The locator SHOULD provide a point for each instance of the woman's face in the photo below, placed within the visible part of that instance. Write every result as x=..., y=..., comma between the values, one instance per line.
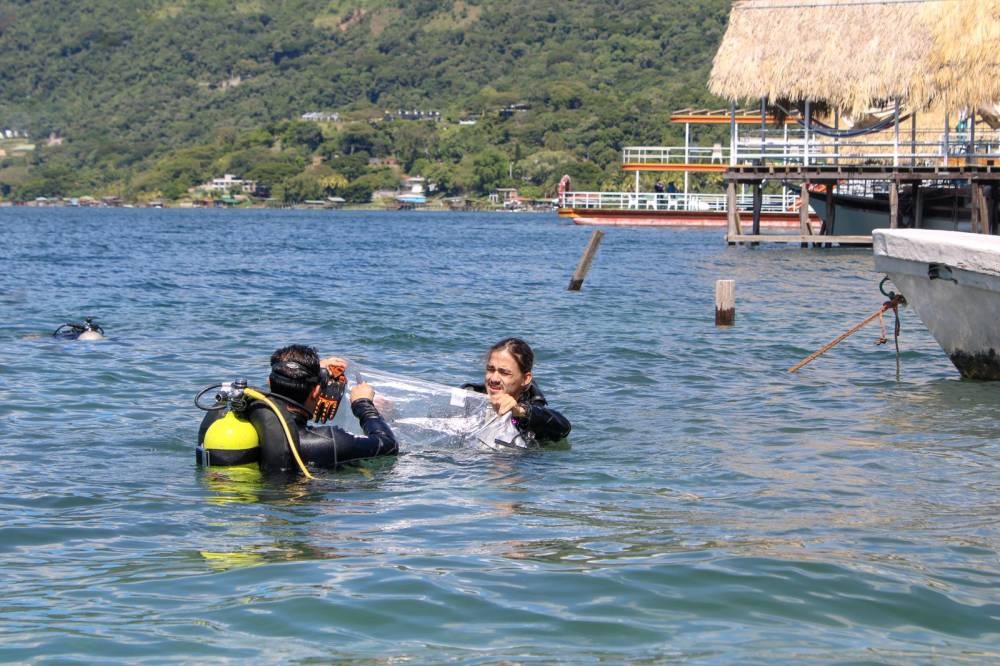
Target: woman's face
x=504, y=376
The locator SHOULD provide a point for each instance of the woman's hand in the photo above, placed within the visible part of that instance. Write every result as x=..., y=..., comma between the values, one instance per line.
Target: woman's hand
x=504, y=402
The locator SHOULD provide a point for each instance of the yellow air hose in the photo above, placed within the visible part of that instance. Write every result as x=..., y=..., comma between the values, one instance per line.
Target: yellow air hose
x=257, y=395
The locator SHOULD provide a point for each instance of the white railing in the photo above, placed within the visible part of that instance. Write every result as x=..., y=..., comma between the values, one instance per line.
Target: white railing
x=716, y=154
x=660, y=201
x=789, y=146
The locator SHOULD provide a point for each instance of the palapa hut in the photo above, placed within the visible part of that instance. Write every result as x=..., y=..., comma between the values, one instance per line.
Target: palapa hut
x=856, y=60
x=964, y=60
x=853, y=55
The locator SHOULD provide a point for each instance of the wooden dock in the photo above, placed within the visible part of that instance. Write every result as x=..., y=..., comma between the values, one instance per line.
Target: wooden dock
x=804, y=239
x=979, y=176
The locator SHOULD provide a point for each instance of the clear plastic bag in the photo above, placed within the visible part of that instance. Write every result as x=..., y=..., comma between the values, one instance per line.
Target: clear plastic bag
x=422, y=412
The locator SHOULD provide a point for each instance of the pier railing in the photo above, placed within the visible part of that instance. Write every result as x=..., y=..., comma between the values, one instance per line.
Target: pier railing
x=671, y=201
x=653, y=155
x=794, y=146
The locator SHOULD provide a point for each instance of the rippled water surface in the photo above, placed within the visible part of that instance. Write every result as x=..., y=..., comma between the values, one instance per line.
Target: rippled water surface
x=712, y=507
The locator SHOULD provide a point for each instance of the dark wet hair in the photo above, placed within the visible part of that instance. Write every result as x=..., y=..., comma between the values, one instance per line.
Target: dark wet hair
x=519, y=349
x=294, y=371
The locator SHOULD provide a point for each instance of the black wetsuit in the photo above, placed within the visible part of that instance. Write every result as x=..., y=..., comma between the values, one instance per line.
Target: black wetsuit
x=541, y=421
x=325, y=446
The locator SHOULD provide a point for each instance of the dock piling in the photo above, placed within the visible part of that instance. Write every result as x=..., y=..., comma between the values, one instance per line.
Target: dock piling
x=725, y=302
x=588, y=256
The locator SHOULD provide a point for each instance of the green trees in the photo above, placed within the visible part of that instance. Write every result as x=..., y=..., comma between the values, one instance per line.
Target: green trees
x=490, y=169
x=154, y=98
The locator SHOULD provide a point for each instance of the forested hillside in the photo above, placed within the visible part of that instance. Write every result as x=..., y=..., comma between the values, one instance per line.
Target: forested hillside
x=147, y=98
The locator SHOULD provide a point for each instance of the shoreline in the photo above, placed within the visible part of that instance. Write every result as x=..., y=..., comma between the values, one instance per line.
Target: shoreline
x=332, y=208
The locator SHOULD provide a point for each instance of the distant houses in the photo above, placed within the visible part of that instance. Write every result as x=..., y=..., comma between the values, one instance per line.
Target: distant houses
x=411, y=114
x=228, y=184
x=15, y=141
x=392, y=115
x=321, y=116
x=511, y=109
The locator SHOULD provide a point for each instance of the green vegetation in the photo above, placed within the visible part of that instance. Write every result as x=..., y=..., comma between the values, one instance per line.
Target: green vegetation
x=153, y=97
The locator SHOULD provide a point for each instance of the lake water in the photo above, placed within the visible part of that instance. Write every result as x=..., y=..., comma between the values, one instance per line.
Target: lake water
x=711, y=507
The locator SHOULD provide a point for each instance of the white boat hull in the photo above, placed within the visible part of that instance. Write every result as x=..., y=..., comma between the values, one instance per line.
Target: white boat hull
x=952, y=281
x=861, y=215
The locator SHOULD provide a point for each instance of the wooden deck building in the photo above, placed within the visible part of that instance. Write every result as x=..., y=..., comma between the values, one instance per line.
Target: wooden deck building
x=896, y=91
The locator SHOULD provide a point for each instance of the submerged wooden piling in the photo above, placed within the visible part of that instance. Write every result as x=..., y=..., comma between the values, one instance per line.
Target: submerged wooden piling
x=725, y=302
x=588, y=256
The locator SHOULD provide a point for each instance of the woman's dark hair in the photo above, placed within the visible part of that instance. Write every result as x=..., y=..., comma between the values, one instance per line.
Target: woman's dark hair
x=294, y=372
x=517, y=348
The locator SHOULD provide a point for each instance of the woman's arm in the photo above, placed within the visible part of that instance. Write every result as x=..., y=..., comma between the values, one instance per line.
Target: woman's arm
x=545, y=422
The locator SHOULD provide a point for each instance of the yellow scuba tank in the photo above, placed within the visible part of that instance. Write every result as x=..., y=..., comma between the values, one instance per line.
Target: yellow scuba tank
x=230, y=440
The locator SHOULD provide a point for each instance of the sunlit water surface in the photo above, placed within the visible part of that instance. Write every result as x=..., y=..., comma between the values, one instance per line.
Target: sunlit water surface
x=711, y=507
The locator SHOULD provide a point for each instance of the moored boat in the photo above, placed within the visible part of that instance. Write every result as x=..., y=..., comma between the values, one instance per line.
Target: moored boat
x=656, y=209
x=411, y=199
x=944, y=208
x=952, y=281
x=675, y=203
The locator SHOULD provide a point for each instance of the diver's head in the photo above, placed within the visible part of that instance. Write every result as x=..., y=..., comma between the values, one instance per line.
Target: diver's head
x=508, y=367
x=295, y=372
x=87, y=330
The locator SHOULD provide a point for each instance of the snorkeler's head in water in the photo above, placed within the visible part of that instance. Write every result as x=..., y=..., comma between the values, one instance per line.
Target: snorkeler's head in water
x=87, y=330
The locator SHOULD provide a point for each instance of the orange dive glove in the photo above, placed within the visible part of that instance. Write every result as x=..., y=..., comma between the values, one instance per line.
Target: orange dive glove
x=332, y=382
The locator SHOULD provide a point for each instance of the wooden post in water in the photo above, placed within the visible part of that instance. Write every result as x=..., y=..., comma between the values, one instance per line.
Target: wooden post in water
x=918, y=205
x=977, y=213
x=734, y=227
x=758, y=200
x=804, y=228
x=725, y=302
x=973, y=208
x=991, y=209
x=894, y=204
x=831, y=209
x=588, y=256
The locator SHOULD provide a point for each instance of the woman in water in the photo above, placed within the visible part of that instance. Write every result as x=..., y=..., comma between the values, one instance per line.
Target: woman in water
x=511, y=389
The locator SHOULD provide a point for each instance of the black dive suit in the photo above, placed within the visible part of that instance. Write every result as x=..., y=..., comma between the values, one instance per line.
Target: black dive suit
x=324, y=446
x=540, y=420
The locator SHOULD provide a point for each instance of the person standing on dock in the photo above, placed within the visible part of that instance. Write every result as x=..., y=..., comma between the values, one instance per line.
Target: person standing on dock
x=671, y=195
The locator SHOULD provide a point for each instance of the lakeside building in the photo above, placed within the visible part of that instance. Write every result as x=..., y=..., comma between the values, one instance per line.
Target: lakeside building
x=918, y=80
x=229, y=183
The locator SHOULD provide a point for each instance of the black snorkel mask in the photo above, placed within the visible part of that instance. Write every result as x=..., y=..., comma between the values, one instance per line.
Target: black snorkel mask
x=332, y=384
x=73, y=330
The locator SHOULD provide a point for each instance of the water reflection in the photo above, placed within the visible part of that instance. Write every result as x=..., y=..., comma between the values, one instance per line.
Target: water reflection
x=294, y=520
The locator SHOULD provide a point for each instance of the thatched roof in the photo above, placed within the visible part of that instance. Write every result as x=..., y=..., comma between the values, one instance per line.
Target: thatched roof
x=965, y=59
x=855, y=54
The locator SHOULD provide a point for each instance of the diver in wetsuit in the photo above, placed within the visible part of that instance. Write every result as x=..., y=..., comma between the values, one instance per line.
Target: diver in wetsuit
x=304, y=387
x=511, y=388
